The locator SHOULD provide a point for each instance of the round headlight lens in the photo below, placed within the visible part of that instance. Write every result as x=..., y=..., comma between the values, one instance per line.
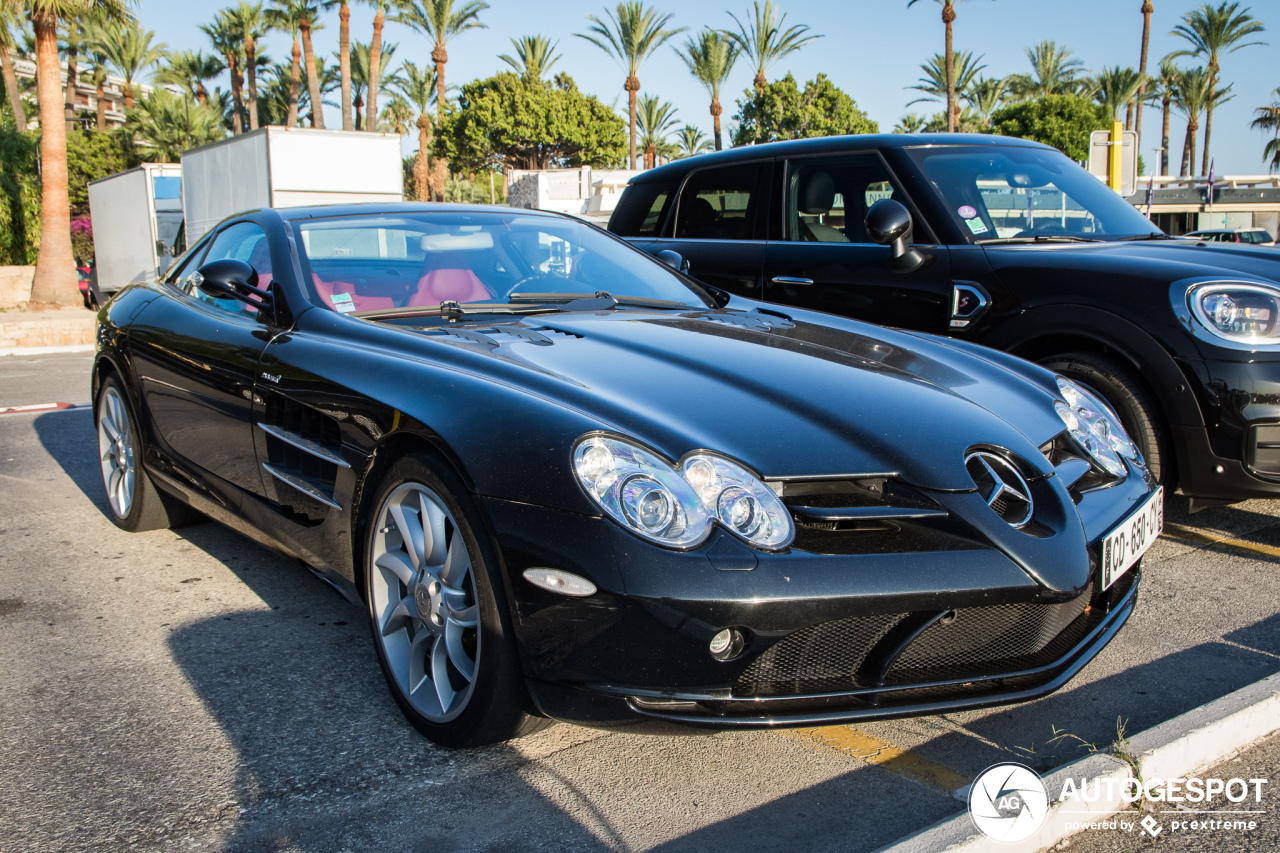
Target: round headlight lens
x=676, y=506
x=1238, y=312
x=1095, y=427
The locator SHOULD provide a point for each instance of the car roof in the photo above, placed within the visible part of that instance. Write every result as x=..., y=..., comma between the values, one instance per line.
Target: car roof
x=319, y=211
x=829, y=144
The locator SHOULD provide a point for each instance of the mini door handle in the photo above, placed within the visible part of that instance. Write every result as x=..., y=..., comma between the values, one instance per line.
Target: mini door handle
x=786, y=279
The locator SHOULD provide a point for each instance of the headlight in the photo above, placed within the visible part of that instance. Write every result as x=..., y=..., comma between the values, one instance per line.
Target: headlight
x=1095, y=428
x=676, y=506
x=1234, y=311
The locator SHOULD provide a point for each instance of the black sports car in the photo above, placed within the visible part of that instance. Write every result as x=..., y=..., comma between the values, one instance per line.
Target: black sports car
x=568, y=482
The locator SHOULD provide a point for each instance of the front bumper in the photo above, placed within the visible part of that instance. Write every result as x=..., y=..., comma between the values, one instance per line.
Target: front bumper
x=942, y=618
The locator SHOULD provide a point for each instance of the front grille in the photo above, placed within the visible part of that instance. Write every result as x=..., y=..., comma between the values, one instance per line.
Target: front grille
x=823, y=658
x=846, y=654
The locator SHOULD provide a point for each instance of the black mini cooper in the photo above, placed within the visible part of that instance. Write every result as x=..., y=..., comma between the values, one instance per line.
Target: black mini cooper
x=1009, y=244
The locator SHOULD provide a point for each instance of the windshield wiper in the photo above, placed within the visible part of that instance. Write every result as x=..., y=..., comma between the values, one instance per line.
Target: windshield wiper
x=1039, y=238
x=600, y=296
x=452, y=310
x=1155, y=235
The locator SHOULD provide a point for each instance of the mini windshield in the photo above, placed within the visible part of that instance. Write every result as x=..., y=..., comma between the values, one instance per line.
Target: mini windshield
x=1012, y=192
x=379, y=261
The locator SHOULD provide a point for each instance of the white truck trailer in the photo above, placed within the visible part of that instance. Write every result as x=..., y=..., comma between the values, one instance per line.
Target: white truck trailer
x=136, y=216
x=287, y=167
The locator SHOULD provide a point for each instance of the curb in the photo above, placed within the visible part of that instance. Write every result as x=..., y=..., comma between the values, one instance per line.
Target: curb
x=1181, y=747
x=47, y=350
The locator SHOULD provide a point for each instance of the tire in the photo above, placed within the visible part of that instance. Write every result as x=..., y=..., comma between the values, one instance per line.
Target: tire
x=133, y=501
x=438, y=612
x=1130, y=399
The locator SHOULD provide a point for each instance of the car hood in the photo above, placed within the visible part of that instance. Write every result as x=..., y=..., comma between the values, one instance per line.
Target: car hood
x=796, y=395
x=1168, y=260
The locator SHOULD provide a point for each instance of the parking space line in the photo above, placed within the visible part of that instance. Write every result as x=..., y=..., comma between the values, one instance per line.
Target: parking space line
x=872, y=750
x=1195, y=537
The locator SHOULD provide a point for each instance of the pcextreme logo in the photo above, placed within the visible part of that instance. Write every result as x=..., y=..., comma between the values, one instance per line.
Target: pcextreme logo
x=1008, y=802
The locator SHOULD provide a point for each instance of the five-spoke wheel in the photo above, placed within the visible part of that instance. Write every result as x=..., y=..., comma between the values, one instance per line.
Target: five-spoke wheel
x=116, y=451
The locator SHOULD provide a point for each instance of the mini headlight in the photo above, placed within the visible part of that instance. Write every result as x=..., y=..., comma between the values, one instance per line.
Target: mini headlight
x=1238, y=312
x=1095, y=427
x=676, y=506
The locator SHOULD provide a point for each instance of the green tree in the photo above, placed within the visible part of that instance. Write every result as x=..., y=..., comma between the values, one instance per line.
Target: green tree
x=630, y=35
x=656, y=118
x=1053, y=72
x=1136, y=107
x=949, y=64
x=190, y=69
x=710, y=58
x=287, y=16
x=247, y=21
x=1193, y=97
x=360, y=62
x=986, y=95
x=1213, y=32
x=20, y=199
x=417, y=87
x=509, y=122
x=910, y=123
x=1116, y=88
x=10, y=22
x=131, y=51
x=783, y=111
x=344, y=56
x=1268, y=119
x=534, y=56
x=691, y=141
x=936, y=84
x=307, y=24
x=1164, y=87
x=165, y=125
x=224, y=34
x=763, y=40
x=1063, y=121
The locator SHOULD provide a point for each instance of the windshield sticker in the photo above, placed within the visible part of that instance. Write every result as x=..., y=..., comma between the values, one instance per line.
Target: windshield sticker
x=976, y=226
x=967, y=211
x=343, y=302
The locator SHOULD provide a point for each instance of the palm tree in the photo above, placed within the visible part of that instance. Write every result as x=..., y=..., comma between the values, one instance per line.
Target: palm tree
x=939, y=86
x=130, y=50
x=1212, y=33
x=1117, y=87
x=910, y=123
x=307, y=24
x=764, y=40
x=418, y=89
x=533, y=56
x=948, y=18
x=710, y=58
x=250, y=26
x=986, y=95
x=344, y=55
x=287, y=16
x=376, y=62
x=360, y=64
x=1165, y=87
x=191, y=69
x=55, y=281
x=630, y=35
x=165, y=125
x=10, y=22
x=441, y=22
x=692, y=141
x=1053, y=72
x=224, y=35
x=1191, y=98
x=93, y=49
x=1136, y=110
x=657, y=118
x=73, y=35
x=1268, y=118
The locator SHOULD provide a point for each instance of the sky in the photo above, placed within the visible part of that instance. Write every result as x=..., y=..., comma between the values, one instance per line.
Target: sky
x=871, y=49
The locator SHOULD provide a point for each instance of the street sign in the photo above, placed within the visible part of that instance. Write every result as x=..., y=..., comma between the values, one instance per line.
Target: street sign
x=1100, y=153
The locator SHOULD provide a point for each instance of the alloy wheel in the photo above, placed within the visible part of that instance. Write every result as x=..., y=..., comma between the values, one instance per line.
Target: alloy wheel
x=116, y=452
x=423, y=596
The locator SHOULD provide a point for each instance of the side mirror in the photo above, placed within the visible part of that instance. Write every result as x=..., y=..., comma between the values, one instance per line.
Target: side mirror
x=673, y=260
x=888, y=223
x=233, y=279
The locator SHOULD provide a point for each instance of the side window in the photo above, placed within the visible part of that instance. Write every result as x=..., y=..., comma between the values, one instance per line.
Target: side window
x=179, y=276
x=827, y=197
x=720, y=204
x=246, y=242
x=642, y=209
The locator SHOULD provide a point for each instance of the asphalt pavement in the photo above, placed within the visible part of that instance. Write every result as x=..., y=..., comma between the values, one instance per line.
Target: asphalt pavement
x=190, y=690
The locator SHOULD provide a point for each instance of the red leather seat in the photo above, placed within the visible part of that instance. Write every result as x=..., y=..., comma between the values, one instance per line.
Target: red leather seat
x=327, y=290
x=448, y=280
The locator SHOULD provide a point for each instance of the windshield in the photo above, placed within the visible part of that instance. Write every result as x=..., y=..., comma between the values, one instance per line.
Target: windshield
x=375, y=262
x=997, y=192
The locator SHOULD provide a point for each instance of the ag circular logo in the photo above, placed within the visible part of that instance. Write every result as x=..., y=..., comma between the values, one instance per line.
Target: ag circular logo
x=1008, y=802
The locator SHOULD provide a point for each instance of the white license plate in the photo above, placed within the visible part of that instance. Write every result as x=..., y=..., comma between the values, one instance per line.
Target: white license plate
x=1126, y=543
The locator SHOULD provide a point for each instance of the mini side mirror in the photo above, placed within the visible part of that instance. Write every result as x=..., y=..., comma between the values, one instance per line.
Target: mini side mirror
x=673, y=260
x=888, y=223
x=233, y=279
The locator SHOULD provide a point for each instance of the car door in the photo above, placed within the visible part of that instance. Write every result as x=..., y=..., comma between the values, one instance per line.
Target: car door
x=719, y=226
x=823, y=258
x=197, y=360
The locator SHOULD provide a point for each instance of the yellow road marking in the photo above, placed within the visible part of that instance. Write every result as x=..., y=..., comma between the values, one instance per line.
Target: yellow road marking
x=1195, y=537
x=872, y=750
